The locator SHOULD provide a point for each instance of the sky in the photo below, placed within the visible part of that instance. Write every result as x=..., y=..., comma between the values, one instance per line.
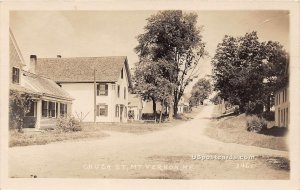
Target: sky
x=113, y=33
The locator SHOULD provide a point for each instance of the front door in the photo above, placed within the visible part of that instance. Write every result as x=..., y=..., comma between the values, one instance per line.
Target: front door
x=121, y=113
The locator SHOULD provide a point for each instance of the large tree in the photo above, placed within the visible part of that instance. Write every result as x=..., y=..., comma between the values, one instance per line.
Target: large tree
x=174, y=37
x=247, y=71
x=200, y=91
x=150, y=83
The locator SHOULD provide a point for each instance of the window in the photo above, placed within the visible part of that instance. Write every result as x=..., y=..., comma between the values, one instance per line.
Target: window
x=102, y=110
x=122, y=73
x=124, y=93
x=125, y=113
x=16, y=75
x=117, y=111
x=44, y=108
x=102, y=89
x=63, y=109
x=287, y=116
x=31, y=112
x=283, y=116
x=51, y=109
x=279, y=98
x=118, y=91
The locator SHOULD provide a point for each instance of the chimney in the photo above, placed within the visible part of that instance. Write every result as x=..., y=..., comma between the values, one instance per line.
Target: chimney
x=32, y=64
x=58, y=56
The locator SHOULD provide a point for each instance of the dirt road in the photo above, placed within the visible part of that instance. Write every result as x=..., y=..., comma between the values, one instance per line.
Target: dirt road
x=175, y=153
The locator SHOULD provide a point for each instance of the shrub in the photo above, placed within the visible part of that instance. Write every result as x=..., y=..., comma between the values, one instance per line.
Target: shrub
x=19, y=106
x=68, y=124
x=256, y=124
x=269, y=115
x=150, y=116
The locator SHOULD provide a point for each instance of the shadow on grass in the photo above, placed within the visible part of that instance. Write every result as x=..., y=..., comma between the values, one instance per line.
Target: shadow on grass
x=224, y=115
x=275, y=131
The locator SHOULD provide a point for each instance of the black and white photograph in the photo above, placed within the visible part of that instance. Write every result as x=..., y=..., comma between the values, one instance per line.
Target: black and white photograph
x=157, y=94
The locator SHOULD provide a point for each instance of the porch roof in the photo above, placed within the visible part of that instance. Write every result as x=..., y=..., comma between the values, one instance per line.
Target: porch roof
x=20, y=88
x=45, y=86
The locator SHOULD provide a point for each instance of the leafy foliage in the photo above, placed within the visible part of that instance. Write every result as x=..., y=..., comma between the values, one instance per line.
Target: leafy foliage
x=173, y=43
x=249, y=72
x=19, y=105
x=68, y=124
x=256, y=124
x=200, y=91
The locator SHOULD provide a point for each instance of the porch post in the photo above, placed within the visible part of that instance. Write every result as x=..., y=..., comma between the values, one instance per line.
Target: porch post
x=58, y=110
x=38, y=114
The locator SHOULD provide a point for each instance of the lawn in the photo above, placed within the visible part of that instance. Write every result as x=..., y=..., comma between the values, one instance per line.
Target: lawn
x=232, y=129
x=45, y=137
x=91, y=131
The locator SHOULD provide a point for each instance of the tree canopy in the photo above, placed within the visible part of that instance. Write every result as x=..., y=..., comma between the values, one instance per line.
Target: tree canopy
x=174, y=39
x=200, y=91
x=247, y=71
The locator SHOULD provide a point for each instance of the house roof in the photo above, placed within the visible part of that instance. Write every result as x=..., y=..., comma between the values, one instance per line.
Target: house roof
x=15, y=55
x=81, y=69
x=134, y=100
x=44, y=86
x=20, y=88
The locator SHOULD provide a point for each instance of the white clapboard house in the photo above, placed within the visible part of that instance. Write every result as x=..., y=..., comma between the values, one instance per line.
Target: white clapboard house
x=99, y=85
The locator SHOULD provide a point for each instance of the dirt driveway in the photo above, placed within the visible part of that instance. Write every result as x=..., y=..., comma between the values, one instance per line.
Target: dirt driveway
x=175, y=153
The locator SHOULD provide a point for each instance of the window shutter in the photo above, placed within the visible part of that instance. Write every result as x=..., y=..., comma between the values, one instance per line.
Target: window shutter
x=106, y=89
x=98, y=110
x=98, y=89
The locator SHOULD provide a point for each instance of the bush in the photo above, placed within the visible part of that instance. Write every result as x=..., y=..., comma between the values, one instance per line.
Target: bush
x=269, y=115
x=150, y=116
x=68, y=124
x=256, y=124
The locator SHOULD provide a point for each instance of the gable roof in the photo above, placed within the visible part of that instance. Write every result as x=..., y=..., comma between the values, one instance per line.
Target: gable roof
x=44, y=86
x=15, y=55
x=81, y=69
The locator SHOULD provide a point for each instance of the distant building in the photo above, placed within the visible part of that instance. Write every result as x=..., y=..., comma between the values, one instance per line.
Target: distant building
x=282, y=104
x=183, y=105
x=135, y=107
x=148, y=106
x=49, y=101
x=77, y=75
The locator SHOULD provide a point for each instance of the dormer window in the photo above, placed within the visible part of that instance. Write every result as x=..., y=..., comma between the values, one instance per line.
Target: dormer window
x=16, y=75
x=122, y=73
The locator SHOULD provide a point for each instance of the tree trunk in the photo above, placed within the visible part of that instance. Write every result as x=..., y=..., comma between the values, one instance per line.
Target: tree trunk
x=171, y=111
x=154, y=108
x=162, y=109
x=175, y=107
x=268, y=103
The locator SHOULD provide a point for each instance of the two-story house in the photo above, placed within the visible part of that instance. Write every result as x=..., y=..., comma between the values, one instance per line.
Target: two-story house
x=282, y=104
x=99, y=85
x=49, y=101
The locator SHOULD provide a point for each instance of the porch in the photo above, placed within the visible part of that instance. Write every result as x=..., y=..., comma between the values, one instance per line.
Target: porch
x=43, y=113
